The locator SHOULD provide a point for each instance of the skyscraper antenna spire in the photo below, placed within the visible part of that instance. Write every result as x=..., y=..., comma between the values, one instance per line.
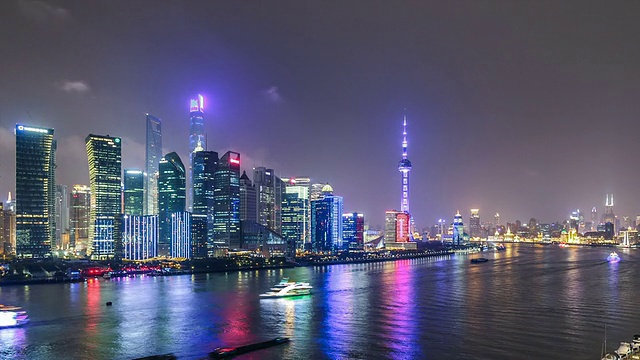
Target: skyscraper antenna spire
x=404, y=167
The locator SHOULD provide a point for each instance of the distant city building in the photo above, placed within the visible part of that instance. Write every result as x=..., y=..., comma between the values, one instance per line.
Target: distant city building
x=197, y=141
x=104, y=154
x=134, y=181
x=326, y=222
x=62, y=217
x=248, y=199
x=294, y=220
x=140, y=237
x=227, y=204
x=301, y=186
x=269, y=189
x=153, y=155
x=475, y=229
x=534, y=228
x=496, y=219
x=171, y=198
x=199, y=229
x=594, y=219
x=609, y=216
x=353, y=230
x=315, y=191
x=205, y=164
x=35, y=191
x=397, y=234
x=181, y=235
x=80, y=218
x=458, y=229
x=404, y=167
x=7, y=230
x=260, y=238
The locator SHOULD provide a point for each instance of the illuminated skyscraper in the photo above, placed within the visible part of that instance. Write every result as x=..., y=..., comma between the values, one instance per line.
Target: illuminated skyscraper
x=294, y=220
x=80, y=218
x=458, y=229
x=62, y=217
x=171, y=197
x=181, y=235
x=205, y=164
x=134, y=181
x=139, y=237
x=199, y=229
x=397, y=234
x=227, y=204
x=35, y=191
x=353, y=230
x=475, y=229
x=269, y=189
x=594, y=219
x=152, y=157
x=496, y=219
x=248, y=199
x=104, y=154
x=609, y=216
x=197, y=141
x=326, y=221
x=404, y=167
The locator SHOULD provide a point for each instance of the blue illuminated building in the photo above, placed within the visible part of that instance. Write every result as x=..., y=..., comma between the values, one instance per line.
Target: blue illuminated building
x=226, y=204
x=171, y=197
x=181, y=235
x=139, y=237
x=326, y=222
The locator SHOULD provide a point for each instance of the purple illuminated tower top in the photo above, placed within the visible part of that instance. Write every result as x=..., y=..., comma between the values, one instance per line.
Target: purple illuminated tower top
x=404, y=167
x=197, y=140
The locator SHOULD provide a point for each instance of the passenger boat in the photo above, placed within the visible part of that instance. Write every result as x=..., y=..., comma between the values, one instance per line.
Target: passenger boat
x=11, y=316
x=501, y=247
x=479, y=260
x=289, y=290
x=625, y=350
x=613, y=257
x=221, y=353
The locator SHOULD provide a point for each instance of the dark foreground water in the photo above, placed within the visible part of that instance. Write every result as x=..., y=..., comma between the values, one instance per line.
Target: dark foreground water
x=529, y=302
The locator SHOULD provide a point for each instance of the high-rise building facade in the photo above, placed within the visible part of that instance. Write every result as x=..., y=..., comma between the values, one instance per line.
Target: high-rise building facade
x=404, y=167
x=153, y=154
x=458, y=229
x=269, y=189
x=475, y=229
x=301, y=186
x=199, y=229
x=205, y=164
x=181, y=235
x=197, y=141
x=35, y=191
x=104, y=154
x=134, y=181
x=139, y=237
x=397, y=227
x=294, y=220
x=248, y=199
x=353, y=230
x=326, y=222
x=79, y=218
x=171, y=197
x=227, y=204
x=62, y=217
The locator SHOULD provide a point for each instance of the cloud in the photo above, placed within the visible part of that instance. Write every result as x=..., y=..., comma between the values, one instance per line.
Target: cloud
x=272, y=94
x=74, y=86
x=42, y=12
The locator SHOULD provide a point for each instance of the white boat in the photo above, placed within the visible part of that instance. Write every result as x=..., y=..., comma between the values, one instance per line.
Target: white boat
x=613, y=257
x=290, y=290
x=11, y=316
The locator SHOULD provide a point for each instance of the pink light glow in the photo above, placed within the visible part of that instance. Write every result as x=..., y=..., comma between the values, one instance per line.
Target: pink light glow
x=235, y=161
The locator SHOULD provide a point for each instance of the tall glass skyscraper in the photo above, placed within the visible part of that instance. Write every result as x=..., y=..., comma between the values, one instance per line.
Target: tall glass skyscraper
x=294, y=220
x=227, y=204
x=197, y=141
x=205, y=164
x=181, y=235
x=134, y=181
x=301, y=186
x=35, y=191
x=326, y=222
x=152, y=156
x=248, y=199
x=104, y=154
x=171, y=197
x=269, y=189
x=62, y=217
x=80, y=218
x=199, y=237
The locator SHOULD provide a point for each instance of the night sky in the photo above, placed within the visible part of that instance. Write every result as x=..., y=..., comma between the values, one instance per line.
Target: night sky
x=527, y=108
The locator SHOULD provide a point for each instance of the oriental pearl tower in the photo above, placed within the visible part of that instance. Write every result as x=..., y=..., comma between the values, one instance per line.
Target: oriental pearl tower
x=404, y=167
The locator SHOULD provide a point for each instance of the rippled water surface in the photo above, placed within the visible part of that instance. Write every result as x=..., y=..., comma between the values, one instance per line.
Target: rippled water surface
x=529, y=302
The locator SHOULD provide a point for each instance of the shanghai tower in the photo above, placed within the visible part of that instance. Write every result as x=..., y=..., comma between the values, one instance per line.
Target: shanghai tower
x=404, y=167
x=196, y=140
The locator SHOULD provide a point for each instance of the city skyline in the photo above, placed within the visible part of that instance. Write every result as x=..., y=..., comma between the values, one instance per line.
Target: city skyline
x=480, y=139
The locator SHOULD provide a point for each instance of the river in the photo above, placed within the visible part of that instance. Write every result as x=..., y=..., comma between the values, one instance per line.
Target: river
x=528, y=302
